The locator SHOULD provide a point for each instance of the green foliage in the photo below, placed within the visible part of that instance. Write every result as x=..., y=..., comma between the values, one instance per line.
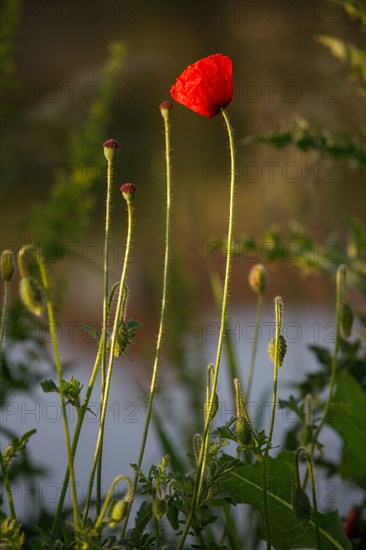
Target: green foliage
x=71, y=390
x=15, y=446
x=348, y=418
x=305, y=138
x=11, y=536
x=245, y=485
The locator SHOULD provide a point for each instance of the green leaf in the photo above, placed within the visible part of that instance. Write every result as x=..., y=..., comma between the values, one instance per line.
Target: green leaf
x=92, y=331
x=348, y=418
x=287, y=533
x=16, y=445
x=48, y=386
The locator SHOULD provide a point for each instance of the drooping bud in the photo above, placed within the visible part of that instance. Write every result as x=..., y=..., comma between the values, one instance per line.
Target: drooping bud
x=301, y=505
x=7, y=265
x=111, y=147
x=165, y=109
x=159, y=508
x=347, y=317
x=118, y=513
x=258, y=278
x=31, y=294
x=128, y=191
x=282, y=348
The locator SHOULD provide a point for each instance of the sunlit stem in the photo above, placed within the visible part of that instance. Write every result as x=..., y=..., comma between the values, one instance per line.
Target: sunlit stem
x=154, y=378
x=204, y=447
x=105, y=319
x=121, y=293
x=255, y=345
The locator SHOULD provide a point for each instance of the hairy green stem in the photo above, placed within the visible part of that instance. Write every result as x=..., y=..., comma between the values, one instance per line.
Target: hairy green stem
x=265, y=501
x=315, y=505
x=340, y=298
x=204, y=447
x=105, y=320
x=53, y=334
x=154, y=377
x=99, y=520
x=110, y=362
x=255, y=345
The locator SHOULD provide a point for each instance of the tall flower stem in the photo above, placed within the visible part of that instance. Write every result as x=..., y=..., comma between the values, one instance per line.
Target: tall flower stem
x=277, y=362
x=255, y=345
x=198, y=484
x=105, y=319
x=340, y=299
x=111, y=358
x=154, y=377
x=53, y=334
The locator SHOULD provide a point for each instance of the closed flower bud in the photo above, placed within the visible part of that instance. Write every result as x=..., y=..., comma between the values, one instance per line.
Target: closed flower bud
x=7, y=265
x=128, y=191
x=159, y=508
x=243, y=431
x=215, y=407
x=282, y=348
x=31, y=295
x=118, y=513
x=347, y=317
x=301, y=505
x=165, y=109
x=111, y=147
x=258, y=278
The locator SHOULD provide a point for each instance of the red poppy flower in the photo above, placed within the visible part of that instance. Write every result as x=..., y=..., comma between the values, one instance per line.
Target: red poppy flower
x=206, y=86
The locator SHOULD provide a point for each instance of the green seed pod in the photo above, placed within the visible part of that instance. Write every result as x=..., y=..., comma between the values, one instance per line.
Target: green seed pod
x=118, y=513
x=31, y=295
x=347, y=317
x=301, y=505
x=159, y=508
x=110, y=148
x=7, y=265
x=215, y=407
x=282, y=349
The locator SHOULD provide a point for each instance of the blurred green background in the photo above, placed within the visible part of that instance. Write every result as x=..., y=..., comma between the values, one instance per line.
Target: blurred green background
x=76, y=73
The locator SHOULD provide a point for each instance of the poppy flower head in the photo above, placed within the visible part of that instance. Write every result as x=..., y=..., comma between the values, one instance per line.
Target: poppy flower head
x=206, y=86
x=128, y=191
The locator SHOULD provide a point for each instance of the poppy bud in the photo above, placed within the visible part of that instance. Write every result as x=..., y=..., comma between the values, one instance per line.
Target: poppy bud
x=215, y=407
x=165, y=109
x=301, y=505
x=282, y=345
x=7, y=265
x=31, y=294
x=128, y=191
x=111, y=147
x=118, y=513
x=258, y=278
x=347, y=316
x=244, y=432
x=159, y=508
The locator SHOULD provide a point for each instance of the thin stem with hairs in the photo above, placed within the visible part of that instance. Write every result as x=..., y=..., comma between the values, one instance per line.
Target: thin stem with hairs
x=198, y=484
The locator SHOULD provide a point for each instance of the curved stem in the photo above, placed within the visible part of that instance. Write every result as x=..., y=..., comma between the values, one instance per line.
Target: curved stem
x=255, y=345
x=154, y=377
x=53, y=334
x=105, y=319
x=108, y=497
x=110, y=362
x=204, y=448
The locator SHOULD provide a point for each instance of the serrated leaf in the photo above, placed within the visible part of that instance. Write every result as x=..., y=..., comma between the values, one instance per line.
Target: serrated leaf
x=92, y=331
x=246, y=486
x=48, y=386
